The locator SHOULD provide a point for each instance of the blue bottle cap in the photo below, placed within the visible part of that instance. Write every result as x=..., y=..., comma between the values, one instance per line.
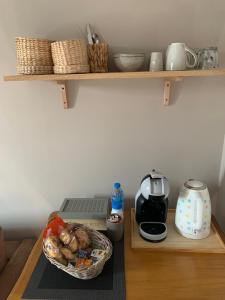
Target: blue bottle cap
x=116, y=185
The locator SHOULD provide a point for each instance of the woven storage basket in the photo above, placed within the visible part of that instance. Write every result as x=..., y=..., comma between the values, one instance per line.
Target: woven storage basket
x=70, y=56
x=33, y=56
x=98, y=57
x=71, y=69
x=34, y=69
x=98, y=241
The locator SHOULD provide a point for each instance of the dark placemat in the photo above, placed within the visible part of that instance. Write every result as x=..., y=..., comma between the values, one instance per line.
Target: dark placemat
x=48, y=282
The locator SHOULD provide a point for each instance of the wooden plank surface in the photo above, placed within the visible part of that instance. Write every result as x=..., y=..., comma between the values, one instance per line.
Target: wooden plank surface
x=173, y=276
x=3, y=256
x=118, y=75
x=176, y=242
x=21, y=284
x=157, y=275
x=14, y=267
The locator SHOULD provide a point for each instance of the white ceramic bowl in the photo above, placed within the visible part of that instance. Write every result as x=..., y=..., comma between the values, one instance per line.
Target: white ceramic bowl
x=129, y=62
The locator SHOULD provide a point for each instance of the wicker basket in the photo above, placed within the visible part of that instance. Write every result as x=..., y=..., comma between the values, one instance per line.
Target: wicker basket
x=33, y=56
x=70, y=56
x=99, y=241
x=98, y=57
x=71, y=69
x=34, y=69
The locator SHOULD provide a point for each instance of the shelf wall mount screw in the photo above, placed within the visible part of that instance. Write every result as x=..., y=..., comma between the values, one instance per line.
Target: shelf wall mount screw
x=167, y=92
x=167, y=89
x=63, y=88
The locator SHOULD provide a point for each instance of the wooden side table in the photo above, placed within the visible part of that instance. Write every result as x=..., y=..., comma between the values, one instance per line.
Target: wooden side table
x=156, y=275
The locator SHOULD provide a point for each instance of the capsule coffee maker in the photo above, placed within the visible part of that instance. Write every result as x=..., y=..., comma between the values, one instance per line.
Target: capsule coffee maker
x=151, y=206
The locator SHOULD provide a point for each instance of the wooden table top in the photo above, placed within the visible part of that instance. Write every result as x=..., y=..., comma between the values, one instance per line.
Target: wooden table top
x=156, y=275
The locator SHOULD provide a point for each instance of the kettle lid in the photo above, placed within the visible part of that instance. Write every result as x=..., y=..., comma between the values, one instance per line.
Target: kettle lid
x=195, y=185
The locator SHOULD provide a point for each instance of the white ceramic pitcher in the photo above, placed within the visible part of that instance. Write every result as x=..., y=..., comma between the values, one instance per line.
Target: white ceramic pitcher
x=177, y=58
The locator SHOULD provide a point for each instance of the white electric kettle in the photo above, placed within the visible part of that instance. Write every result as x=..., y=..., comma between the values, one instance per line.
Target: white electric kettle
x=193, y=211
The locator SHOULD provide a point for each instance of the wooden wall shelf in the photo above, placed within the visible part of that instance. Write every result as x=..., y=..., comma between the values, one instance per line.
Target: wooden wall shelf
x=169, y=76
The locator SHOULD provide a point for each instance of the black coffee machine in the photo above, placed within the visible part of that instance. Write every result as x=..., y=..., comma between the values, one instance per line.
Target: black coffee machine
x=151, y=206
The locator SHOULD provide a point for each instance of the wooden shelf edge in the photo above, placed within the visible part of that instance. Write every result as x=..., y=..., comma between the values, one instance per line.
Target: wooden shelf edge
x=118, y=75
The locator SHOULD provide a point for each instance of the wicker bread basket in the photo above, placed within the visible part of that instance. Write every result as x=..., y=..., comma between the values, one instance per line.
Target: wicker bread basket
x=98, y=57
x=33, y=56
x=70, y=56
x=98, y=241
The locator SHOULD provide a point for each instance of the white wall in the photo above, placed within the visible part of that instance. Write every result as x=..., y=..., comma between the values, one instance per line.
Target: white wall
x=116, y=130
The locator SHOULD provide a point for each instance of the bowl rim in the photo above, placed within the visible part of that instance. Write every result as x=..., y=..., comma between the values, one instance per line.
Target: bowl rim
x=128, y=55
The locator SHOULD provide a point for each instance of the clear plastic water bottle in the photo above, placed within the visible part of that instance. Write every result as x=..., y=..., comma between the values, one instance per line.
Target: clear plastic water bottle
x=117, y=199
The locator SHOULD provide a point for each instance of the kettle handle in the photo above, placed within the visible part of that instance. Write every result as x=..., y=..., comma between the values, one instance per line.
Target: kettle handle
x=198, y=214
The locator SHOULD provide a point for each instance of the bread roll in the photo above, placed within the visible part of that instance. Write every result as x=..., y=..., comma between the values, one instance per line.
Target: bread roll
x=73, y=245
x=67, y=253
x=62, y=260
x=53, y=249
x=52, y=245
x=65, y=237
x=83, y=238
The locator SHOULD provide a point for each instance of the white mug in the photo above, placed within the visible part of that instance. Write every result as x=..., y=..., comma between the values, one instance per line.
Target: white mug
x=156, y=62
x=177, y=59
